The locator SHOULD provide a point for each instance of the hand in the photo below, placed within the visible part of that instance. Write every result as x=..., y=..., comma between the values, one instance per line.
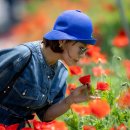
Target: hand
x=81, y=94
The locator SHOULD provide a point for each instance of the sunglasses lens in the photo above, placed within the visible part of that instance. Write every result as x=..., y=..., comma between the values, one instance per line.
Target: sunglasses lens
x=82, y=50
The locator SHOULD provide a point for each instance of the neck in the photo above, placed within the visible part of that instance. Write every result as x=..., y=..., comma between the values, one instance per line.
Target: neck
x=50, y=56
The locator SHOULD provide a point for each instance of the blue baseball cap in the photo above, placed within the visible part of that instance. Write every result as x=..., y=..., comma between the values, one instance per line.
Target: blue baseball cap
x=72, y=25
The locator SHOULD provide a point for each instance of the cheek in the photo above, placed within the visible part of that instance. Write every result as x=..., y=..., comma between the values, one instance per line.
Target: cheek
x=74, y=53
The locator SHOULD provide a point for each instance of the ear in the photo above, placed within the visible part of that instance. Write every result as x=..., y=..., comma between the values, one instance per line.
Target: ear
x=61, y=43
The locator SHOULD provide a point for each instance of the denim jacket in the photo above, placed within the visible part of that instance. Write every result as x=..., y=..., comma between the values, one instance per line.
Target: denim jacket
x=39, y=85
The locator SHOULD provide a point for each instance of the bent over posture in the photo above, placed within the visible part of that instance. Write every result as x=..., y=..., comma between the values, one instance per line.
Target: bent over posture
x=33, y=76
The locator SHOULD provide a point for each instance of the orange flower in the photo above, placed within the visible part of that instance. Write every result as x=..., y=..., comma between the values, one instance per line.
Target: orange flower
x=60, y=125
x=84, y=60
x=109, y=7
x=124, y=99
x=102, y=86
x=70, y=88
x=121, y=40
x=81, y=110
x=122, y=127
x=94, y=54
x=53, y=125
x=112, y=128
x=126, y=63
x=86, y=127
x=100, y=108
x=75, y=70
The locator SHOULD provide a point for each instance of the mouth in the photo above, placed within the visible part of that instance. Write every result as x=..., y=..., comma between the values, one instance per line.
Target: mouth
x=72, y=60
x=75, y=60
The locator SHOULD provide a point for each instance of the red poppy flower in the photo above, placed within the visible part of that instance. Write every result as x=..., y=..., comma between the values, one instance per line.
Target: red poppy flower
x=94, y=55
x=37, y=125
x=99, y=71
x=53, y=125
x=81, y=110
x=2, y=127
x=84, y=60
x=60, y=125
x=75, y=70
x=121, y=40
x=47, y=125
x=109, y=7
x=100, y=108
x=126, y=64
x=85, y=79
x=102, y=86
x=124, y=99
x=26, y=128
x=122, y=127
x=89, y=127
x=90, y=51
x=112, y=128
x=12, y=127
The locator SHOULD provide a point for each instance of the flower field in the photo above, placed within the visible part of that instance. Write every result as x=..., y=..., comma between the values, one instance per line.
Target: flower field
x=106, y=66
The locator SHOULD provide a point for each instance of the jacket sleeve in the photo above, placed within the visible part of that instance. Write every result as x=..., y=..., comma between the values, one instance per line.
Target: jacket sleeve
x=11, y=61
x=40, y=112
x=61, y=95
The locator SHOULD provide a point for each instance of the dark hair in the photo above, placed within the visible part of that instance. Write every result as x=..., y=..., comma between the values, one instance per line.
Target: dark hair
x=53, y=44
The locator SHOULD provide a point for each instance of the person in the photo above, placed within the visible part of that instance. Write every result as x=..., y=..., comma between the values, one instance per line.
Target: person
x=41, y=87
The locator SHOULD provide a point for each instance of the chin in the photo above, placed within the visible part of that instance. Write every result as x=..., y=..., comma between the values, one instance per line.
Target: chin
x=71, y=63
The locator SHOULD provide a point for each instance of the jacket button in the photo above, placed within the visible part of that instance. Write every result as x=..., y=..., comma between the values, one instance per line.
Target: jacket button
x=48, y=77
x=4, y=91
x=23, y=93
x=49, y=101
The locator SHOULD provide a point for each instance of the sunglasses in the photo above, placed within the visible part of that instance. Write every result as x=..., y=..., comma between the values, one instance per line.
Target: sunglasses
x=82, y=50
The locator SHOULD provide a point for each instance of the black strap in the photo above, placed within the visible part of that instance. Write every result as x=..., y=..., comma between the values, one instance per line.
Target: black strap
x=9, y=86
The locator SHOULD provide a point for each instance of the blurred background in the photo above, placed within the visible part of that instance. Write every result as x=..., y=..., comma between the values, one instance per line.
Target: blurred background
x=28, y=20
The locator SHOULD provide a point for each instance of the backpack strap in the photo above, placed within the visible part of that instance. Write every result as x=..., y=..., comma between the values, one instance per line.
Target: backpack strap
x=9, y=86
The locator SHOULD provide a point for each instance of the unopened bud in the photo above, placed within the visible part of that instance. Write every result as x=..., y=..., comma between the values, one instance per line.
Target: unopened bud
x=125, y=84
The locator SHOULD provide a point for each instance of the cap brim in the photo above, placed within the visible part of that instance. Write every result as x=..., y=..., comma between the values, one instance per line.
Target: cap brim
x=58, y=35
